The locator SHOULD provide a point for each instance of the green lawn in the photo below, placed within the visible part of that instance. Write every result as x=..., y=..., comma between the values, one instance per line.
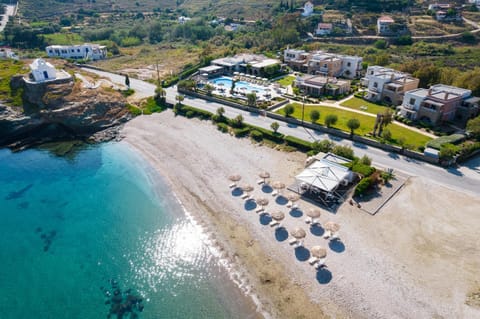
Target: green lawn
x=360, y=104
x=366, y=123
x=286, y=80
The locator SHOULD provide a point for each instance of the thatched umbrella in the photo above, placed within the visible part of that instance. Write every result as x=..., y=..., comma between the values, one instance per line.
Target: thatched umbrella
x=277, y=215
x=247, y=188
x=331, y=226
x=299, y=233
x=234, y=178
x=292, y=197
x=278, y=186
x=264, y=175
x=319, y=252
x=262, y=201
x=313, y=213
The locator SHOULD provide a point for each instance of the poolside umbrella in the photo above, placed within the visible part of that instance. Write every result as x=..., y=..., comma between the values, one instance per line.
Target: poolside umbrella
x=277, y=215
x=264, y=175
x=332, y=227
x=298, y=233
x=292, y=197
x=313, y=213
x=262, y=201
x=319, y=252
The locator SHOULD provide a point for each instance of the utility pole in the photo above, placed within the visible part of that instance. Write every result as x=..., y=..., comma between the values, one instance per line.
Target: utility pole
x=158, y=73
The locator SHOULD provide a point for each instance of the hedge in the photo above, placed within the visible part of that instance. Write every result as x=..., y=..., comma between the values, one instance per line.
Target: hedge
x=270, y=135
x=450, y=139
x=362, y=169
x=241, y=132
x=222, y=127
x=298, y=143
x=204, y=115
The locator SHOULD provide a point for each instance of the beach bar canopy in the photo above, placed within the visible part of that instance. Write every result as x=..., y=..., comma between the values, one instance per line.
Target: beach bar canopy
x=324, y=175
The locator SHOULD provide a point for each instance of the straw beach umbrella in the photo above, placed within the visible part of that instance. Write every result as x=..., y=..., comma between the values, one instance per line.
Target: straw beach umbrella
x=299, y=233
x=234, y=178
x=292, y=197
x=262, y=201
x=278, y=186
x=318, y=252
x=313, y=213
x=277, y=216
x=264, y=175
x=331, y=228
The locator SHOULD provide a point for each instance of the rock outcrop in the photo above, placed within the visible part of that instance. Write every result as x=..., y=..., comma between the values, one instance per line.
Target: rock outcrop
x=61, y=111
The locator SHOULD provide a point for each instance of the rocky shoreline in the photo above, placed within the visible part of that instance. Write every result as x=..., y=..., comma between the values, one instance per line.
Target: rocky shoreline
x=55, y=112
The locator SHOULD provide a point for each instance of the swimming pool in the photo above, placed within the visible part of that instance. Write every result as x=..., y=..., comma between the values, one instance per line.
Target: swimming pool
x=249, y=87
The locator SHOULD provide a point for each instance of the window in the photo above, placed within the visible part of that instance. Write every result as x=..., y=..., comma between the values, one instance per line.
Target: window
x=349, y=64
x=375, y=85
x=412, y=101
x=325, y=65
x=78, y=50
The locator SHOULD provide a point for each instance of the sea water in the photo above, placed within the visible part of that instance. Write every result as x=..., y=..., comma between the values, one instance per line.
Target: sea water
x=77, y=231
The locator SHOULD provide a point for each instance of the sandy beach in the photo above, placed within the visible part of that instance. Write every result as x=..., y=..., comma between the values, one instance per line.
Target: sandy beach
x=419, y=257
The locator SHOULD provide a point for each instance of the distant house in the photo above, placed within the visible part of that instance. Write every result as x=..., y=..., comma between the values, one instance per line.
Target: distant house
x=42, y=71
x=183, y=20
x=439, y=103
x=383, y=25
x=307, y=9
x=7, y=53
x=85, y=51
x=253, y=64
x=324, y=29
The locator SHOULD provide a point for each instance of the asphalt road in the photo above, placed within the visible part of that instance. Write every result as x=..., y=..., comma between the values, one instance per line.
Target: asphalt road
x=465, y=178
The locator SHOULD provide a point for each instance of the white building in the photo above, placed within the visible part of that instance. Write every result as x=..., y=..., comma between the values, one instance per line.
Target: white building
x=85, y=51
x=351, y=66
x=7, y=53
x=307, y=9
x=183, y=20
x=42, y=71
x=383, y=24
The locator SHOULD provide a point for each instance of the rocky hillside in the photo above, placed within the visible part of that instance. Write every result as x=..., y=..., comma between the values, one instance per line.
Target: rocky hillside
x=56, y=112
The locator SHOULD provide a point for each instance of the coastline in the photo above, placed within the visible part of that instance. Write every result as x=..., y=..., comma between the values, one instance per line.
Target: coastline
x=377, y=276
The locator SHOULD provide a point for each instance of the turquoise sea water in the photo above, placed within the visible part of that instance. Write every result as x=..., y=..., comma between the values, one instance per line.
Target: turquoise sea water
x=75, y=230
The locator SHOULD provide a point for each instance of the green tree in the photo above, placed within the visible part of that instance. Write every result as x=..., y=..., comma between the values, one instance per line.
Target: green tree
x=237, y=122
x=353, y=124
x=330, y=120
x=365, y=160
x=252, y=99
x=380, y=44
x=275, y=126
x=288, y=110
x=473, y=127
x=220, y=112
x=447, y=151
x=209, y=88
x=160, y=95
x=343, y=151
x=314, y=115
x=324, y=146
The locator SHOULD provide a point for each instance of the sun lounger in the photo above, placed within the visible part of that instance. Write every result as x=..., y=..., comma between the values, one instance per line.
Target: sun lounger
x=327, y=234
x=294, y=206
x=293, y=241
x=274, y=193
x=289, y=205
x=312, y=260
x=245, y=196
x=274, y=223
x=334, y=237
x=260, y=182
x=320, y=264
x=308, y=220
x=232, y=185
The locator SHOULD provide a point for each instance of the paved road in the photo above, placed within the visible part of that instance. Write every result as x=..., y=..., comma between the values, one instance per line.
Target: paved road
x=10, y=10
x=466, y=178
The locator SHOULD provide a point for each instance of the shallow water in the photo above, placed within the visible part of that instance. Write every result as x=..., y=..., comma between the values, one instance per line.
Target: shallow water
x=72, y=227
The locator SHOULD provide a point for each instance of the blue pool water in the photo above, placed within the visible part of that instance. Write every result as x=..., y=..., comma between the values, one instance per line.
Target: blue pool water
x=75, y=230
x=227, y=83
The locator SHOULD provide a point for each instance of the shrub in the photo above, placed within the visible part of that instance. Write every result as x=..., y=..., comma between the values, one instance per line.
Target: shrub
x=362, y=169
x=324, y=146
x=237, y=122
x=134, y=110
x=363, y=186
x=450, y=139
x=448, y=151
x=267, y=134
x=190, y=114
x=222, y=127
x=365, y=160
x=288, y=110
x=241, y=132
x=314, y=115
x=343, y=151
x=386, y=134
x=256, y=135
x=298, y=143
